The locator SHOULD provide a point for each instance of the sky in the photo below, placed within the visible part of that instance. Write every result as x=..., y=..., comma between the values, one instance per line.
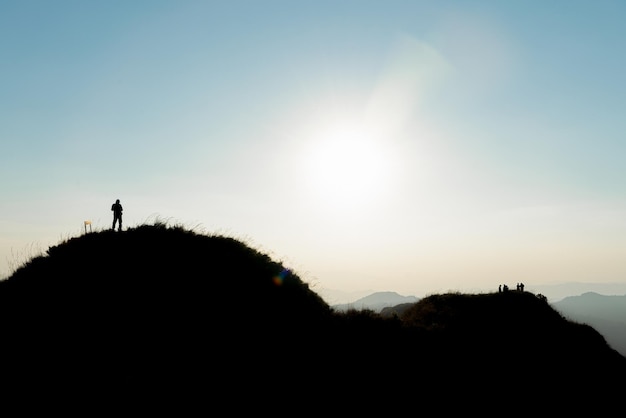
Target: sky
x=408, y=146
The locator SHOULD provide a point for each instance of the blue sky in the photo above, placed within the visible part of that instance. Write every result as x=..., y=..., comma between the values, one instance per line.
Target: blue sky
x=394, y=145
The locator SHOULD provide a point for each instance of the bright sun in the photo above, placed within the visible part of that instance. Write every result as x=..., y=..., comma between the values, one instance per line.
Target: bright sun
x=346, y=168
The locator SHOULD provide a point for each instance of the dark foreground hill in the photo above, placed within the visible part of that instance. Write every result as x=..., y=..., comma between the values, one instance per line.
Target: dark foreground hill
x=161, y=318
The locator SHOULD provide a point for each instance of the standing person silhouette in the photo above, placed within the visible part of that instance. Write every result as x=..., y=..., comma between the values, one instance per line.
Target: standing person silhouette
x=117, y=214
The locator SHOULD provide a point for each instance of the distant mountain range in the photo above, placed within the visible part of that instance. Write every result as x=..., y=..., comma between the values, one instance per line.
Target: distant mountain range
x=607, y=314
x=557, y=292
x=376, y=301
x=553, y=292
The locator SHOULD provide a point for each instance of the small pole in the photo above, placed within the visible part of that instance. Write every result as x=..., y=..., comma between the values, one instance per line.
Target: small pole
x=88, y=223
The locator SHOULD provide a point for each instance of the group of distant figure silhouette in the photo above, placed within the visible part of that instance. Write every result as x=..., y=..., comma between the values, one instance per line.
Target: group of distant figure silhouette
x=504, y=288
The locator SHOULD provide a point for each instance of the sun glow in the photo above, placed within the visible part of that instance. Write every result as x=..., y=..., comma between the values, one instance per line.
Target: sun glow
x=347, y=167
x=351, y=159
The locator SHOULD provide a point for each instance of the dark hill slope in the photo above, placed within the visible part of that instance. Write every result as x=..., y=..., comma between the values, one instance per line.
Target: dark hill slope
x=151, y=309
x=159, y=316
x=514, y=329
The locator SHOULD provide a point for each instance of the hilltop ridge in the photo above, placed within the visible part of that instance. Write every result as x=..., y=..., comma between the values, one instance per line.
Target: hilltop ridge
x=157, y=313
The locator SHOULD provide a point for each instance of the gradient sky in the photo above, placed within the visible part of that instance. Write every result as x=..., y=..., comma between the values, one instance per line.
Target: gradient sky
x=408, y=146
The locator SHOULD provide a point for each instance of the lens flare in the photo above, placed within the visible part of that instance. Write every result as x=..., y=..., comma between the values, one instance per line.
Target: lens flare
x=280, y=277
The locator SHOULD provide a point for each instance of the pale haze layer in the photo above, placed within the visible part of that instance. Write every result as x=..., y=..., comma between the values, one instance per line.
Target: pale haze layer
x=406, y=146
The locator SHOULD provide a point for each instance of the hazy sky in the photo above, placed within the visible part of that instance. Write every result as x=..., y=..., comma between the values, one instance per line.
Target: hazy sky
x=410, y=146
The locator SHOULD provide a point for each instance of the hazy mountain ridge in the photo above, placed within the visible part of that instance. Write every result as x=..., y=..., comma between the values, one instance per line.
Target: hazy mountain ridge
x=605, y=313
x=148, y=317
x=553, y=292
x=558, y=292
x=377, y=301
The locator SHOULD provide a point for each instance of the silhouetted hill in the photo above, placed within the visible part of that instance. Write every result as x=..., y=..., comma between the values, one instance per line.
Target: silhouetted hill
x=151, y=312
x=512, y=327
x=160, y=318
